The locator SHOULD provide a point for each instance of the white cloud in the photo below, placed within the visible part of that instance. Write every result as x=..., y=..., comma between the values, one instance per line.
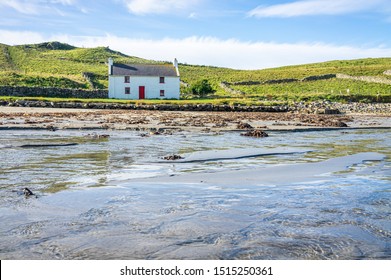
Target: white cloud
x=20, y=37
x=143, y=7
x=316, y=7
x=63, y=2
x=24, y=7
x=35, y=7
x=193, y=16
x=210, y=51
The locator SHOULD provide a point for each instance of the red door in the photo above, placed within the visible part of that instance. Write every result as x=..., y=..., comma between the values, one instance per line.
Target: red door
x=141, y=92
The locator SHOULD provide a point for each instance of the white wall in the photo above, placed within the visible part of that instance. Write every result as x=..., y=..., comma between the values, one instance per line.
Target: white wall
x=152, y=87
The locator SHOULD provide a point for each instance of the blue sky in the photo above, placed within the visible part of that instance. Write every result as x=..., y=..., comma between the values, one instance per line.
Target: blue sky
x=242, y=34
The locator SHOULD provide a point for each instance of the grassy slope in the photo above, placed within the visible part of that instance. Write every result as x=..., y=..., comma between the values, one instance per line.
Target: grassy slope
x=41, y=65
x=61, y=65
x=370, y=66
x=334, y=89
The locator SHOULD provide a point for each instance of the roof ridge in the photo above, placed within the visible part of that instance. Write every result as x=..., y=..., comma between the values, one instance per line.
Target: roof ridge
x=153, y=64
x=144, y=69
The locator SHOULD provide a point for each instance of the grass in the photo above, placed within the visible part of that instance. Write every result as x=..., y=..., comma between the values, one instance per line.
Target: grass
x=333, y=90
x=61, y=65
x=37, y=62
x=213, y=101
x=42, y=80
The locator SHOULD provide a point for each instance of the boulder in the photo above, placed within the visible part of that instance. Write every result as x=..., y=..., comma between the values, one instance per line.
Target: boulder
x=172, y=157
x=255, y=133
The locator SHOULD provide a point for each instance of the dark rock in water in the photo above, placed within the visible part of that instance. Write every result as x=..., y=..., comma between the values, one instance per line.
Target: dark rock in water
x=154, y=133
x=340, y=124
x=255, y=133
x=51, y=128
x=97, y=136
x=244, y=126
x=27, y=192
x=47, y=145
x=172, y=157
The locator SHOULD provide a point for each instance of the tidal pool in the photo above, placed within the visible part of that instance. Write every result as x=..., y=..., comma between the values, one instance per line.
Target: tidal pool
x=302, y=195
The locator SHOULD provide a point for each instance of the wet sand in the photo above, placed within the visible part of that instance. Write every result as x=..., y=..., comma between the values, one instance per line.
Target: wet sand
x=284, y=174
x=317, y=195
x=55, y=118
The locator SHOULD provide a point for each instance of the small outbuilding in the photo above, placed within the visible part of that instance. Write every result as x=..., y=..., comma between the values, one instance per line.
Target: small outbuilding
x=143, y=81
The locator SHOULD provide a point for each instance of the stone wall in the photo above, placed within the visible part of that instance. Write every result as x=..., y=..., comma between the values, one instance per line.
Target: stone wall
x=245, y=83
x=281, y=81
x=320, y=107
x=88, y=76
x=52, y=92
x=225, y=86
x=182, y=83
x=319, y=77
x=154, y=107
x=368, y=79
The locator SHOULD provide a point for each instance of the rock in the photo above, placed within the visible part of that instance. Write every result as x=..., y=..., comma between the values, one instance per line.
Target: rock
x=332, y=112
x=172, y=157
x=27, y=192
x=244, y=126
x=255, y=133
x=144, y=135
x=340, y=124
x=51, y=128
x=97, y=136
x=154, y=133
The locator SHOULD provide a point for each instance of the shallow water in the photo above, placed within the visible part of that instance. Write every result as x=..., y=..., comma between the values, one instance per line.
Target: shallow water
x=97, y=200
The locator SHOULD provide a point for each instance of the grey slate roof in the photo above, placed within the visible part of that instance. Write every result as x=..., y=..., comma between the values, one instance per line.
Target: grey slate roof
x=162, y=70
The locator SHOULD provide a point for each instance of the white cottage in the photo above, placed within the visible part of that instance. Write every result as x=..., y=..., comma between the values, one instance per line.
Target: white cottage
x=143, y=81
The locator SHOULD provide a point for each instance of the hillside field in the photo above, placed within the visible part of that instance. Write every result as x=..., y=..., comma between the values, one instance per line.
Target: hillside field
x=60, y=65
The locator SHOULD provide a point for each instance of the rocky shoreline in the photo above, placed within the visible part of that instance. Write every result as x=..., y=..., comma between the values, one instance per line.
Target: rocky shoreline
x=323, y=107
x=164, y=121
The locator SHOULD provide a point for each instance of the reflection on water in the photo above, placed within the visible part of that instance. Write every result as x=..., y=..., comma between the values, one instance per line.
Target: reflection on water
x=90, y=206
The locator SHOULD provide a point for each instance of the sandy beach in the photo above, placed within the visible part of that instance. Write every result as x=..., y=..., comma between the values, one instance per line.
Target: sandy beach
x=58, y=118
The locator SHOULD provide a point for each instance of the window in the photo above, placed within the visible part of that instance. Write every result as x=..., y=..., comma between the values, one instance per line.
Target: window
x=127, y=79
x=162, y=92
x=162, y=80
x=127, y=90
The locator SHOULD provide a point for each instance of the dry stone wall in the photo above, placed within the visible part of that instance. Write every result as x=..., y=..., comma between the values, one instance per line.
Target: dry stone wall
x=319, y=77
x=226, y=86
x=52, y=92
x=368, y=79
x=281, y=81
x=88, y=76
x=154, y=107
x=322, y=107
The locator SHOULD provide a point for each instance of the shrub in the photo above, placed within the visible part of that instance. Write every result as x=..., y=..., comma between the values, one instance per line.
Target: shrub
x=201, y=88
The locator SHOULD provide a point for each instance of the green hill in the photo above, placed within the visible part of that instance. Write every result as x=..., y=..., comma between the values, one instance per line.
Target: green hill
x=55, y=64
x=364, y=80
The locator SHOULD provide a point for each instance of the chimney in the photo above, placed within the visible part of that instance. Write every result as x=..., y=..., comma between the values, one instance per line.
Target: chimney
x=176, y=66
x=110, y=62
